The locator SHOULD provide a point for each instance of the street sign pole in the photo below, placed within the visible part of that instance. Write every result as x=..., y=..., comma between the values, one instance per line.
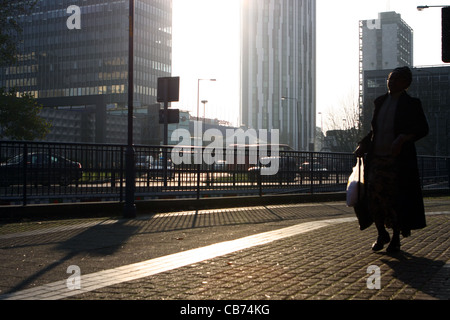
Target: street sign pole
x=166, y=128
x=168, y=91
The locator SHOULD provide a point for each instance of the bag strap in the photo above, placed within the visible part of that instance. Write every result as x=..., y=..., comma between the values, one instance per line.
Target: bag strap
x=360, y=161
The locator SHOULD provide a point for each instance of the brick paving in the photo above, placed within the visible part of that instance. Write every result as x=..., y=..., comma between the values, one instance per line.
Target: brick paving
x=328, y=263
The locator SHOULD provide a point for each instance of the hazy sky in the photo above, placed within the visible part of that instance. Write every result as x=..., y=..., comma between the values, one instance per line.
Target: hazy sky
x=206, y=46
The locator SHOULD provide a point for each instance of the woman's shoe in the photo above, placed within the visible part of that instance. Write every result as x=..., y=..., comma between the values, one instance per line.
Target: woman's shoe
x=393, y=247
x=381, y=241
x=406, y=233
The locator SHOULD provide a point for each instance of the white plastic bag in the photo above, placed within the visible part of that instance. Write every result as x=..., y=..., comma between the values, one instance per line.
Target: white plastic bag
x=355, y=185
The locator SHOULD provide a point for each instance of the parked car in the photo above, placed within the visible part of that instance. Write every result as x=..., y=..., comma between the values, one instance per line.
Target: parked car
x=143, y=163
x=154, y=168
x=41, y=168
x=220, y=165
x=287, y=170
x=314, y=171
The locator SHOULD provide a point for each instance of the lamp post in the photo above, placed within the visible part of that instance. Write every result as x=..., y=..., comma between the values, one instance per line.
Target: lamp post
x=445, y=30
x=322, y=135
x=203, y=129
x=130, y=207
x=198, y=94
x=421, y=8
x=198, y=102
x=204, y=113
x=321, y=120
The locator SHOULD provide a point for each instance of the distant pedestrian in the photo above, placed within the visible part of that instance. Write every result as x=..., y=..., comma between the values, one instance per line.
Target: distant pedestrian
x=394, y=193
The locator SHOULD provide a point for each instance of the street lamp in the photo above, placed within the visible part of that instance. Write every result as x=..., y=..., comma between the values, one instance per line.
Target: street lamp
x=445, y=30
x=198, y=94
x=421, y=8
x=130, y=207
x=204, y=122
x=204, y=114
x=321, y=120
x=198, y=102
x=204, y=108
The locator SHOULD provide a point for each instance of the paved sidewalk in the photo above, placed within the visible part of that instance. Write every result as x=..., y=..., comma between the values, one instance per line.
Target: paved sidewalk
x=282, y=252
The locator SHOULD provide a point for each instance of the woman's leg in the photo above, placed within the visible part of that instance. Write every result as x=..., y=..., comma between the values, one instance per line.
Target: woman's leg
x=394, y=246
x=383, y=237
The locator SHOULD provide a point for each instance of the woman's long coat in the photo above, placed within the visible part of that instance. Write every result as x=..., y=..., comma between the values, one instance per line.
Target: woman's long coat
x=409, y=119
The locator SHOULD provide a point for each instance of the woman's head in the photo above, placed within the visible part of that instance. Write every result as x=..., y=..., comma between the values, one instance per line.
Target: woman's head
x=400, y=79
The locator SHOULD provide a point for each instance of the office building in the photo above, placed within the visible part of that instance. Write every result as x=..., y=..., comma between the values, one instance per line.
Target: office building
x=278, y=69
x=385, y=43
x=73, y=55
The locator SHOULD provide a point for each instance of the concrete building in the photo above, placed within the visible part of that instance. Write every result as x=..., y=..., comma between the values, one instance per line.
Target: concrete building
x=385, y=43
x=278, y=69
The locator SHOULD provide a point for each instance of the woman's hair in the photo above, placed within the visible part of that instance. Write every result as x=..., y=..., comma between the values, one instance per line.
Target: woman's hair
x=405, y=73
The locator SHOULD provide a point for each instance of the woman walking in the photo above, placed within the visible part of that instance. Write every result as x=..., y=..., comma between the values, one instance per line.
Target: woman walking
x=394, y=191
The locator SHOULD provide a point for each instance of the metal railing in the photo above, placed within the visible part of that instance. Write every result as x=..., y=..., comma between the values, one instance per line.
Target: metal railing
x=37, y=172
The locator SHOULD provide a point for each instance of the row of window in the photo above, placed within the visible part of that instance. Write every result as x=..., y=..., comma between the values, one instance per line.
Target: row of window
x=77, y=92
x=87, y=91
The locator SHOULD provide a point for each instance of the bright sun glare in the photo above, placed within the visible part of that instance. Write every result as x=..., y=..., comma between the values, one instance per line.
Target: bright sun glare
x=206, y=44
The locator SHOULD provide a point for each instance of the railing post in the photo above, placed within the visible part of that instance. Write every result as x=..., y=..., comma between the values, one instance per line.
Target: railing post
x=198, y=181
x=423, y=171
x=121, y=173
x=112, y=170
x=311, y=174
x=448, y=172
x=259, y=180
x=25, y=164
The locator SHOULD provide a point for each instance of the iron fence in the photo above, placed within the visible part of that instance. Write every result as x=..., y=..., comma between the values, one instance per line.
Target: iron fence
x=38, y=172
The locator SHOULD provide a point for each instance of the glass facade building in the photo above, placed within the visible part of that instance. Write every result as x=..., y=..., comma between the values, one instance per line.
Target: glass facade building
x=79, y=59
x=278, y=69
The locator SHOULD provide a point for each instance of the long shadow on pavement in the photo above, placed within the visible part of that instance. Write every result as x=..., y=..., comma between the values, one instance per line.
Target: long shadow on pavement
x=99, y=240
x=417, y=272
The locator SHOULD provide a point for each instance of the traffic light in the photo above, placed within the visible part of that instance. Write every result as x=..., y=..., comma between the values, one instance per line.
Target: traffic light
x=446, y=34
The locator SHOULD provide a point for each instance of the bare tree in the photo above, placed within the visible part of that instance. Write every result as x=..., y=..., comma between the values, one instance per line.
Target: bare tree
x=344, y=123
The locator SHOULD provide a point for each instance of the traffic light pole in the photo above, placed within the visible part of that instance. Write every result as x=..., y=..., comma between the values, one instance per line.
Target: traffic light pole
x=130, y=207
x=445, y=30
x=168, y=91
x=446, y=34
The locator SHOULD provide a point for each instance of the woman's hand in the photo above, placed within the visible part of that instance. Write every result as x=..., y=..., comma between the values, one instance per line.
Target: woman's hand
x=398, y=143
x=359, y=152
